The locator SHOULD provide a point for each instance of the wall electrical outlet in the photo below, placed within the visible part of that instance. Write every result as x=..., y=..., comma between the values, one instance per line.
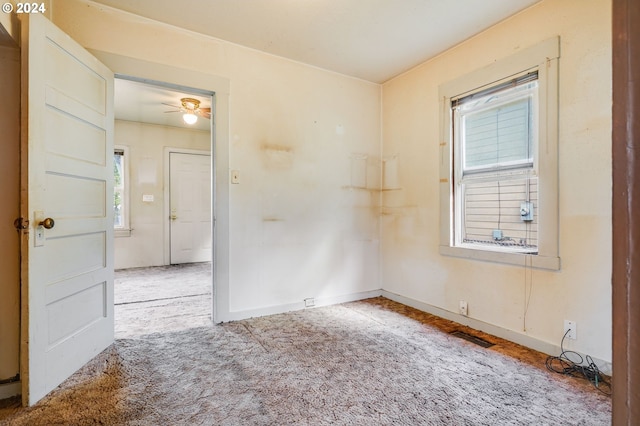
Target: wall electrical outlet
x=571, y=327
x=309, y=302
x=463, y=308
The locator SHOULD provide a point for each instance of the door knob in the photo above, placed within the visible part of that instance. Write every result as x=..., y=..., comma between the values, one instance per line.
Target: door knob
x=48, y=223
x=174, y=217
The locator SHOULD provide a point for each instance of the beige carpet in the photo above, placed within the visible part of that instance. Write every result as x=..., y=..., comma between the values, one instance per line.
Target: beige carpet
x=162, y=299
x=373, y=362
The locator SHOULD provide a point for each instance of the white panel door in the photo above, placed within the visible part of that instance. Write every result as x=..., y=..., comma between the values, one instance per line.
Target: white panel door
x=67, y=191
x=190, y=204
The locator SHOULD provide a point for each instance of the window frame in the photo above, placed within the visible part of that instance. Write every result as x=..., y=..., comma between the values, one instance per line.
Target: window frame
x=125, y=229
x=543, y=58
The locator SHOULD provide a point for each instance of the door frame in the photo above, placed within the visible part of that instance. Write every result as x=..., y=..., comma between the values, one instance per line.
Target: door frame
x=156, y=73
x=167, y=193
x=626, y=201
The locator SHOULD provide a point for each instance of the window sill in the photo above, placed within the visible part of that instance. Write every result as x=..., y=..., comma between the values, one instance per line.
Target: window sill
x=117, y=233
x=539, y=261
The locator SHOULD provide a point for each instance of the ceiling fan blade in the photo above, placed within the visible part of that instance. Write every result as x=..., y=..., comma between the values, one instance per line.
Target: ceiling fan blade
x=171, y=105
x=204, y=114
x=207, y=110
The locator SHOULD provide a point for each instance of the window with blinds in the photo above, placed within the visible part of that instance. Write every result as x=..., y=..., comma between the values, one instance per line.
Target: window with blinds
x=495, y=181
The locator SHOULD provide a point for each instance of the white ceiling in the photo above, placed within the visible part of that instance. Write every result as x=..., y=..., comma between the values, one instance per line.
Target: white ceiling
x=374, y=40
x=145, y=103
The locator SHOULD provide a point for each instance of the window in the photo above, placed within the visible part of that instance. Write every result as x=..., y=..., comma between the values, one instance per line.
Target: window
x=495, y=179
x=498, y=171
x=120, y=193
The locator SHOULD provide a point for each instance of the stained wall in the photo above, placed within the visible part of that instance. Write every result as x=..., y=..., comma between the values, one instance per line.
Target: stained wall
x=528, y=305
x=303, y=221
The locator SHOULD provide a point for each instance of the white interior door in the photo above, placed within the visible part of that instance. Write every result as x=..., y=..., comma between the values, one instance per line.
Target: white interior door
x=190, y=205
x=67, y=176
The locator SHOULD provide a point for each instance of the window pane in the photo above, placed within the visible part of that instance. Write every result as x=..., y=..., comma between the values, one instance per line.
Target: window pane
x=495, y=206
x=496, y=130
x=498, y=135
x=117, y=170
x=118, y=216
x=118, y=190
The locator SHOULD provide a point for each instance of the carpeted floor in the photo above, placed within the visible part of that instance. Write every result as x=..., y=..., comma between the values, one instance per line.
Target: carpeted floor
x=162, y=299
x=372, y=362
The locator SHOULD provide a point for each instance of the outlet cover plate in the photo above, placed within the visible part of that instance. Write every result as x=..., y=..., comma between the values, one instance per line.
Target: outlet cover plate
x=571, y=326
x=463, y=308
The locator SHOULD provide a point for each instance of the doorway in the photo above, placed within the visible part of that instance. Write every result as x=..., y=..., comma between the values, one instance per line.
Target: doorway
x=152, y=72
x=163, y=258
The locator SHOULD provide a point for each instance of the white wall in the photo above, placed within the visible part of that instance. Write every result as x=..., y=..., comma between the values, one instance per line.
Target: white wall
x=500, y=295
x=146, y=150
x=297, y=228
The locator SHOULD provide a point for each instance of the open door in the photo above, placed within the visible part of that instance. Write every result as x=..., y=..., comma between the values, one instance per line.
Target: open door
x=66, y=207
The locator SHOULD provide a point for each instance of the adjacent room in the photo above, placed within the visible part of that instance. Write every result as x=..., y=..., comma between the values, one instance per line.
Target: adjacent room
x=364, y=182
x=162, y=205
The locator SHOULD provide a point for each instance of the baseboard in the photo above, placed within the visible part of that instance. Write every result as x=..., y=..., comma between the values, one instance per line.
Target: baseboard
x=280, y=309
x=10, y=389
x=510, y=335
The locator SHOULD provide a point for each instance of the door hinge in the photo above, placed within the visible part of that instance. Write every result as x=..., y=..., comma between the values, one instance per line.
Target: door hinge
x=21, y=223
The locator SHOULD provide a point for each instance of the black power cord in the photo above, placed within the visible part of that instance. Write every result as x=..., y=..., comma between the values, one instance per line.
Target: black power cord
x=562, y=364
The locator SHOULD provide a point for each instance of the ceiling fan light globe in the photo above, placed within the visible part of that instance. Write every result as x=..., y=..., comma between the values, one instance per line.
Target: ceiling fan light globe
x=190, y=118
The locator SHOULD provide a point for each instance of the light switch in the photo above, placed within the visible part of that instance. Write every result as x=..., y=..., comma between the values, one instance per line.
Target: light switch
x=235, y=176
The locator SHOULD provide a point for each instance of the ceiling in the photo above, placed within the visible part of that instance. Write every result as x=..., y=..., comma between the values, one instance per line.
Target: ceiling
x=373, y=40
x=145, y=103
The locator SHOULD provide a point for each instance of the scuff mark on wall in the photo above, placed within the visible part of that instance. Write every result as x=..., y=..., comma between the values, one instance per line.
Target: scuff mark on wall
x=272, y=219
x=277, y=157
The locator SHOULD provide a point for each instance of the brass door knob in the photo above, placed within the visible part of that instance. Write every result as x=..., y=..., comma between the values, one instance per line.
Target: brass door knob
x=48, y=223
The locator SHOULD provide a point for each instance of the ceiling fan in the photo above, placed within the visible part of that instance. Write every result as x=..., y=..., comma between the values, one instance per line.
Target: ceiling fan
x=191, y=109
